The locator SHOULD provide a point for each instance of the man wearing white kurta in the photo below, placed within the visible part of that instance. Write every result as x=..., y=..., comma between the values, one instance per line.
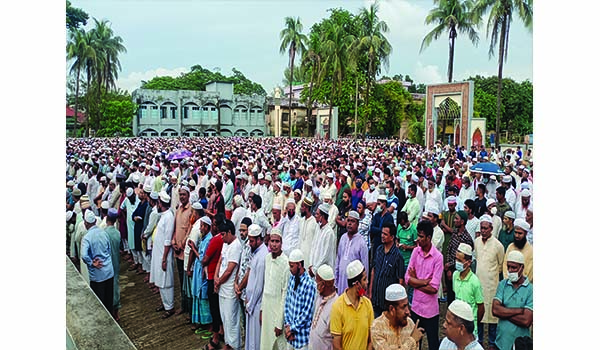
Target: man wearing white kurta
x=290, y=228
x=325, y=243
x=227, y=267
x=277, y=274
x=489, y=253
x=308, y=229
x=254, y=288
x=162, y=270
x=239, y=212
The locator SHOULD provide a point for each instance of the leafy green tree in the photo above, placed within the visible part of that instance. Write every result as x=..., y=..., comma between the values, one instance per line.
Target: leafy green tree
x=454, y=16
x=498, y=26
x=117, y=111
x=79, y=51
x=292, y=41
x=76, y=17
x=373, y=43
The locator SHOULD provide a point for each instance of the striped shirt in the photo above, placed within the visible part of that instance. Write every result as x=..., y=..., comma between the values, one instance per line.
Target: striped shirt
x=299, y=308
x=388, y=269
x=455, y=240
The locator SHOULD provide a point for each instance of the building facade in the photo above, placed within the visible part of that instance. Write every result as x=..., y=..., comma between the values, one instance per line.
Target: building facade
x=216, y=111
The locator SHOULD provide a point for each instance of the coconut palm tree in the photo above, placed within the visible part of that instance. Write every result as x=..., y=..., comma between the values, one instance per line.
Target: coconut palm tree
x=312, y=61
x=453, y=16
x=498, y=27
x=78, y=51
x=292, y=41
x=373, y=44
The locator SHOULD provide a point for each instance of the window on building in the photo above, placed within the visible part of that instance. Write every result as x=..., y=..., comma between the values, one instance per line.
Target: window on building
x=173, y=112
x=185, y=112
x=163, y=112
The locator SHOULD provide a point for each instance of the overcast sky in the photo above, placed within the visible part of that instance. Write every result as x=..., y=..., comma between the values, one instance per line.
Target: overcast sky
x=168, y=37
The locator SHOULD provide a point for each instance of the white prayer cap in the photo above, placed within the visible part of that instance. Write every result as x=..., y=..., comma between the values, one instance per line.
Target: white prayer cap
x=452, y=199
x=344, y=173
x=164, y=197
x=354, y=214
x=465, y=249
x=489, y=202
x=382, y=197
x=287, y=184
x=173, y=176
x=238, y=200
x=261, y=176
x=185, y=188
x=515, y=256
x=90, y=218
x=486, y=218
x=268, y=177
x=104, y=205
x=330, y=175
x=290, y=200
x=147, y=188
x=507, y=178
x=461, y=310
x=354, y=269
x=69, y=215
x=522, y=224
x=205, y=219
x=376, y=179
x=433, y=209
x=395, y=292
x=213, y=181
x=76, y=192
x=327, y=196
x=414, y=178
x=193, y=197
x=154, y=195
x=525, y=193
x=197, y=206
x=324, y=207
x=277, y=206
x=70, y=183
x=228, y=172
x=296, y=256
x=309, y=183
x=277, y=232
x=174, y=161
x=510, y=214
x=254, y=230
x=298, y=191
x=103, y=178
x=129, y=192
x=525, y=185
x=325, y=272
x=135, y=179
x=154, y=167
x=192, y=183
x=424, y=215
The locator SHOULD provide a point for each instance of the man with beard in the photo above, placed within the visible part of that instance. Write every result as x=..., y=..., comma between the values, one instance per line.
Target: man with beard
x=162, y=272
x=320, y=336
x=394, y=329
x=521, y=245
x=308, y=228
x=290, y=228
x=254, y=289
x=241, y=280
x=138, y=227
x=324, y=244
x=351, y=247
x=523, y=204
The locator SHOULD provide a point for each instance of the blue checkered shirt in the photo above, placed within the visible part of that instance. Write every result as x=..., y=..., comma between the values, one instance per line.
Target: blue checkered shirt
x=299, y=308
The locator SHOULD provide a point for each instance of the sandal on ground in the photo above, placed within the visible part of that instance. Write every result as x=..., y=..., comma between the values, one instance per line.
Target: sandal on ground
x=160, y=308
x=167, y=314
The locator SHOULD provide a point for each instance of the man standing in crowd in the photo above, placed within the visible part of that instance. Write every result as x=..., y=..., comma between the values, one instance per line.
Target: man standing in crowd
x=465, y=283
x=290, y=228
x=459, y=235
x=114, y=238
x=277, y=272
x=520, y=244
x=394, y=329
x=299, y=303
x=351, y=247
x=161, y=273
x=352, y=312
x=308, y=229
x=254, y=289
x=424, y=274
x=513, y=303
x=323, y=247
x=182, y=230
x=320, y=336
x=459, y=325
x=388, y=268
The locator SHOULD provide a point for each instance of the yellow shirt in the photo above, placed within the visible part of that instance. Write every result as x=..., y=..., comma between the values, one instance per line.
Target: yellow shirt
x=352, y=324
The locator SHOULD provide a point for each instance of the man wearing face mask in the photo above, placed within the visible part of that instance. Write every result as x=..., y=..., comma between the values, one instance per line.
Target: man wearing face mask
x=290, y=228
x=513, y=303
x=466, y=284
x=490, y=255
x=370, y=196
x=412, y=206
x=352, y=307
x=521, y=245
x=492, y=211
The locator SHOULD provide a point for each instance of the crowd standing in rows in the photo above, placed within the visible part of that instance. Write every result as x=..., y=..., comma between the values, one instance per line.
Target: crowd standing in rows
x=310, y=244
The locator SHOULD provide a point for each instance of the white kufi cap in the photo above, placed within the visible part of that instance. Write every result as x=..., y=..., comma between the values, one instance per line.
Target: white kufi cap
x=461, y=310
x=325, y=272
x=296, y=256
x=90, y=218
x=395, y=292
x=354, y=269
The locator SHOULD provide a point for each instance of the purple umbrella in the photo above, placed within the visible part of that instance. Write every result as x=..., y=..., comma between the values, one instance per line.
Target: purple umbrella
x=179, y=154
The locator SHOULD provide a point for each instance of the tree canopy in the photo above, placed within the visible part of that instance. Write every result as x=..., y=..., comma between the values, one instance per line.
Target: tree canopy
x=75, y=17
x=198, y=77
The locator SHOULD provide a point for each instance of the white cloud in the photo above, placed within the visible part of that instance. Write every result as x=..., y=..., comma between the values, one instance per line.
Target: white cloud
x=134, y=79
x=429, y=74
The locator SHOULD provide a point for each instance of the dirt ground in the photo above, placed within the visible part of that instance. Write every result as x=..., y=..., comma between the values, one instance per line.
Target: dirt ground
x=144, y=326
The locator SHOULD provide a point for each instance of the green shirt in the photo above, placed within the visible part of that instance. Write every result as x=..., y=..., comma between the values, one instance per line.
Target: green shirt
x=522, y=297
x=468, y=290
x=408, y=237
x=506, y=237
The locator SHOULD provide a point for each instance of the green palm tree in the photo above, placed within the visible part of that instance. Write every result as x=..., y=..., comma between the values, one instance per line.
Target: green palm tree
x=337, y=49
x=373, y=44
x=312, y=61
x=454, y=16
x=498, y=26
x=78, y=51
x=292, y=41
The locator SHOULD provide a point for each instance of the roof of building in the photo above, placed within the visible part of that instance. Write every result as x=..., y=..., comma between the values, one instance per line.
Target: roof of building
x=71, y=113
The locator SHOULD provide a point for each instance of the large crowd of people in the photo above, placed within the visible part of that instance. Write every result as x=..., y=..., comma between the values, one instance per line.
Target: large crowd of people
x=290, y=243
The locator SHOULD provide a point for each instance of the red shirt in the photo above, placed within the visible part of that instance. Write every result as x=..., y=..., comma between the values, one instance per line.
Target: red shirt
x=213, y=252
